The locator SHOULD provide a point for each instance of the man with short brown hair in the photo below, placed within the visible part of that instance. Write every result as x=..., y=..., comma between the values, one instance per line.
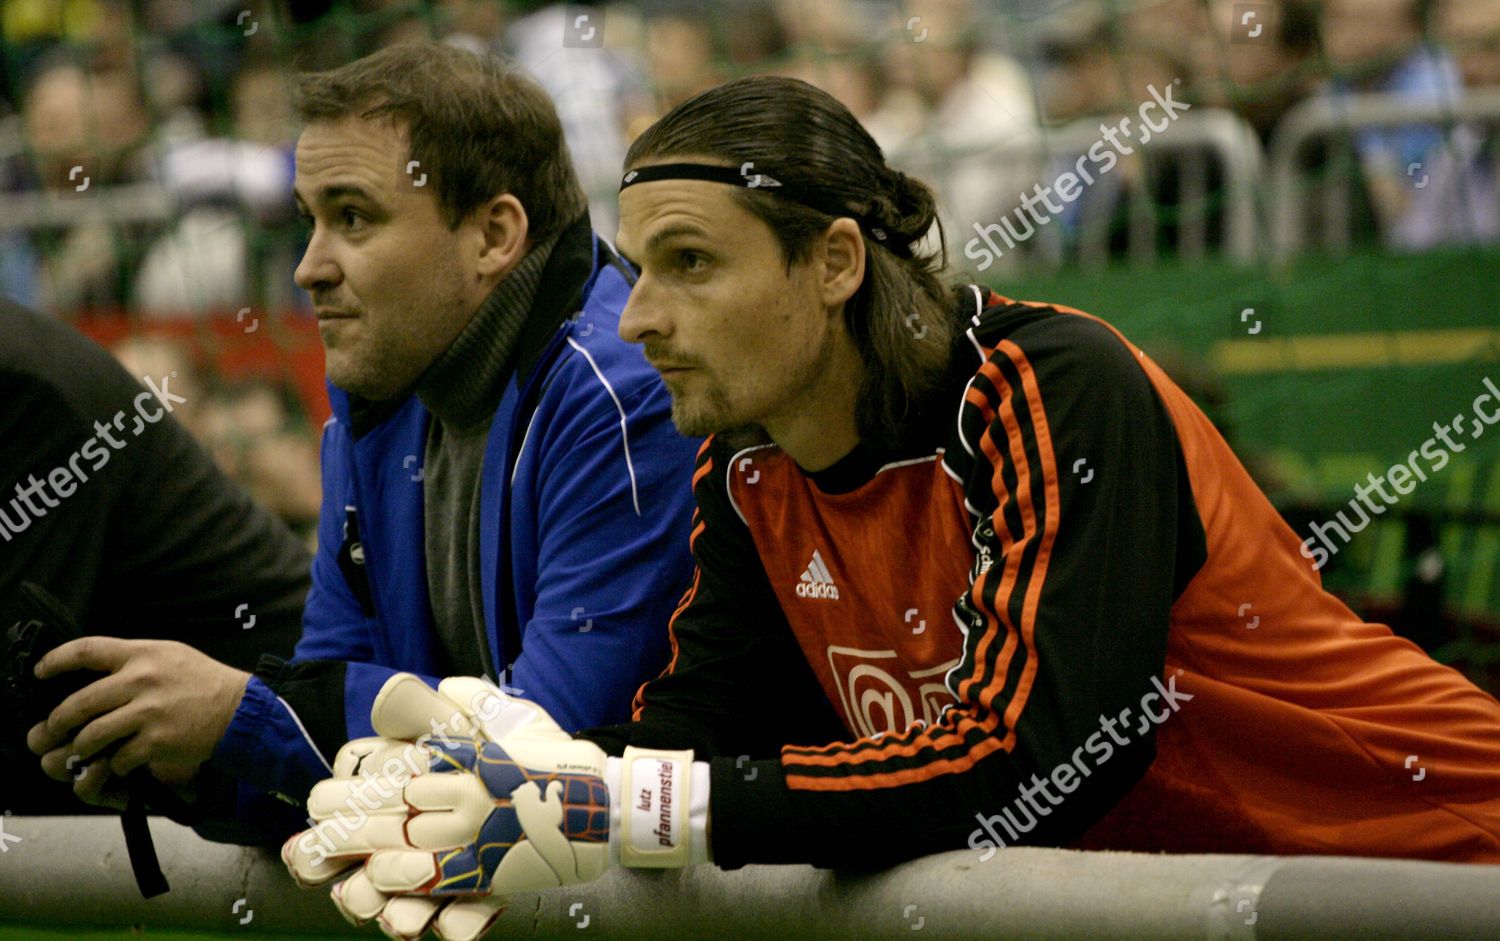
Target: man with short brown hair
x=501, y=469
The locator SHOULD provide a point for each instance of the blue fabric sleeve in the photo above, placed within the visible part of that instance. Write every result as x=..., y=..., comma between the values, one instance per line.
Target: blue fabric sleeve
x=282, y=740
x=268, y=746
x=613, y=557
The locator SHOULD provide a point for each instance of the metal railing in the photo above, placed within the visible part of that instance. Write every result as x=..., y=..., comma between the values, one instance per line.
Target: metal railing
x=1197, y=140
x=1203, y=145
x=126, y=204
x=117, y=205
x=1325, y=119
x=72, y=871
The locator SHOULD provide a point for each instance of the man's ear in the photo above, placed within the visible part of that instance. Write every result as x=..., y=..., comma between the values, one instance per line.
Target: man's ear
x=503, y=230
x=843, y=261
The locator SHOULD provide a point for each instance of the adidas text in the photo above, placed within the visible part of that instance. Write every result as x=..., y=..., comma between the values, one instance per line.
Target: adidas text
x=817, y=590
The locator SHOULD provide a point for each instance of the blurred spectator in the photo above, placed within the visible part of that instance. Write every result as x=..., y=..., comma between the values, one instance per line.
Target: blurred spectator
x=229, y=188
x=73, y=115
x=249, y=426
x=160, y=356
x=1077, y=75
x=829, y=47
x=261, y=99
x=173, y=90
x=1098, y=77
x=177, y=91
x=99, y=31
x=1471, y=30
x=1260, y=81
x=682, y=58
x=1081, y=81
x=593, y=73
x=754, y=36
x=199, y=266
x=470, y=24
x=827, y=25
x=1156, y=37
x=1377, y=43
x=844, y=75
x=956, y=114
x=84, y=131
x=1428, y=188
x=250, y=430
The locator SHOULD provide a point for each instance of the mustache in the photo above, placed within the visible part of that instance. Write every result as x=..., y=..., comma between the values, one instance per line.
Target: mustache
x=323, y=300
x=658, y=352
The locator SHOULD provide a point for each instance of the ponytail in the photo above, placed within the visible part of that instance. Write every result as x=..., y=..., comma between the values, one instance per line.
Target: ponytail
x=901, y=318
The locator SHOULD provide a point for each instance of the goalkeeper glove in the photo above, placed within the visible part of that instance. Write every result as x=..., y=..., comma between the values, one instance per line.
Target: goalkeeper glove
x=509, y=802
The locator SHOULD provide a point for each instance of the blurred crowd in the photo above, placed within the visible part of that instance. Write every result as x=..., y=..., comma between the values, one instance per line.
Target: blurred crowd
x=146, y=145
x=194, y=95
x=254, y=427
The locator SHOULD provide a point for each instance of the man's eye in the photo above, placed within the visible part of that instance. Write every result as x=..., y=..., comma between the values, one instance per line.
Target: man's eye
x=352, y=218
x=692, y=262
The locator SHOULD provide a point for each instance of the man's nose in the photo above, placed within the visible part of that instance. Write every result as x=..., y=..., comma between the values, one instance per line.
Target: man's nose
x=317, y=268
x=643, y=318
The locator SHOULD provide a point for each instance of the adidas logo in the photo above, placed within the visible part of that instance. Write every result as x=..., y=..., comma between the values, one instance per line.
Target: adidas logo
x=816, y=582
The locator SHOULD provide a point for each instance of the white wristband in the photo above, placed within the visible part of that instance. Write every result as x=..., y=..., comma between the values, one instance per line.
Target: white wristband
x=658, y=808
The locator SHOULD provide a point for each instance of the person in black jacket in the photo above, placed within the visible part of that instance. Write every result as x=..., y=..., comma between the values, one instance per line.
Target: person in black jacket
x=110, y=505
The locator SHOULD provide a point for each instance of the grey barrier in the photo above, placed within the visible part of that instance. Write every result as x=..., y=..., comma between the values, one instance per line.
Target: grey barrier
x=72, y=872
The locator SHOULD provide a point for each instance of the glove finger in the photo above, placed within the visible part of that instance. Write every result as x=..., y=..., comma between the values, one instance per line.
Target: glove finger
x=498, y=713
x=350, y=797
x=375, y=754
x=406, y=707
x=317, y=855
x=464, y=792
x=405, y=917
x=468, y=918
x=395, y=871
x=443, y=830
x=469, y=693
x=357, y=899
x=308, y=861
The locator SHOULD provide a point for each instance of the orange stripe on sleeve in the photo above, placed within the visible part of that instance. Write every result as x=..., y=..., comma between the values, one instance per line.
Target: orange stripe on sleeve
x=1010, y=569
x=871, y=782
x=705, y=467
x=639, y=702
x=1043, y=436
x=703, y=471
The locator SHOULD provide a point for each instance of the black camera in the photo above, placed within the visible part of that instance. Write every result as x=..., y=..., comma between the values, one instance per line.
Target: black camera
x=33, y=622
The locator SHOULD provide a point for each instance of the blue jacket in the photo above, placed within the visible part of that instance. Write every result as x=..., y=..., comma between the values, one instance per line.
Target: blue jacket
x=586, y=501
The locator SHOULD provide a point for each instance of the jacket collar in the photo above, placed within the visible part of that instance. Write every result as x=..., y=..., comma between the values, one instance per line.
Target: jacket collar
x=566, y=281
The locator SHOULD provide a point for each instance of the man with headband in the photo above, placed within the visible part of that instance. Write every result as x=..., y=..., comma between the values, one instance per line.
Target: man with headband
x=971, y=572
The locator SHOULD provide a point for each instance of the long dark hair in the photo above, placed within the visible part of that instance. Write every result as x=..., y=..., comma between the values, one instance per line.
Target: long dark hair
x=902, y=317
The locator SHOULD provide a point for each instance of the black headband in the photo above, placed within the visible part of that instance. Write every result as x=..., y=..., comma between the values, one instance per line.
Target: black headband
x=747, y=177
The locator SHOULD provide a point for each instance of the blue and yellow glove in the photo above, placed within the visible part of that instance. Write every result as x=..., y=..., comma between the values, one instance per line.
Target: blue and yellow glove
x=478, y=795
